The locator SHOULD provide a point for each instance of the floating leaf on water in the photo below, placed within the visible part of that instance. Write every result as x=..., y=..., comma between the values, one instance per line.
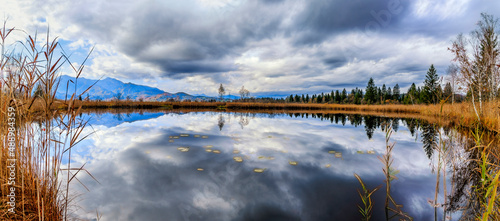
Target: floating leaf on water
x=168, y=156
x=175, y=137
x=236, y=151
x=147, y=152
x=183, y=149
x=331, y=151
x=360, y=152
x=328, y=165
x=259, y=170
x=196, y=135
x=238, y=159
x=216, y=151
x=284, y=151
x=370, y=152
x=270, y=158
x=293, y=163
x=261, y=157
x=184, y=135
x=208, y=146
x=269, y=136
x=200, y=169
x=208, y=150
x=170, y=141
x=338, y=155
x=204, y=137
x=170, y=137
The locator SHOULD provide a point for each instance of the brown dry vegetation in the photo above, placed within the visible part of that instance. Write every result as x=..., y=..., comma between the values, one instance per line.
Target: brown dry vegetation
x=35, y=138
x=459, y=114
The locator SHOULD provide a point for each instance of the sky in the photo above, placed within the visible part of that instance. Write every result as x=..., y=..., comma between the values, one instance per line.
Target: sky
x=271, y=47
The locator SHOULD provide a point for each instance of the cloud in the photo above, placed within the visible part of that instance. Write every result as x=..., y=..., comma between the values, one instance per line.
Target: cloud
x=156, y=181
x=269, y=46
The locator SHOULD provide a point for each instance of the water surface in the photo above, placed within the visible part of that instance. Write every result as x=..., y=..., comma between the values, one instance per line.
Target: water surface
x=186, y=166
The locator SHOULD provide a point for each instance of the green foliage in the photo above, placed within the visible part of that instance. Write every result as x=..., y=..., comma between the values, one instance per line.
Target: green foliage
x=365, y=194
x=431, y=91
x=371, y=92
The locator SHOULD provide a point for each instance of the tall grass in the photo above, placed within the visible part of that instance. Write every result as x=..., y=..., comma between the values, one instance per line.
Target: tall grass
x=43, y=137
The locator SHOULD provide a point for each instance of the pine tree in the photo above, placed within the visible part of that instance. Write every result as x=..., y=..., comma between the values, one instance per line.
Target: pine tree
x=371, y=92
x=431, y=86
x=384, y=93
x=343, y=96
x=395, y=92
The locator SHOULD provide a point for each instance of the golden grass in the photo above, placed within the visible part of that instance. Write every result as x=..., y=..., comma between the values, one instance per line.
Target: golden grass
x=458, y=114
x=41, y=136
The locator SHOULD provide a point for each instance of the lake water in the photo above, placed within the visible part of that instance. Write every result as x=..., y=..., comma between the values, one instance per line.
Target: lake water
x=240, y=166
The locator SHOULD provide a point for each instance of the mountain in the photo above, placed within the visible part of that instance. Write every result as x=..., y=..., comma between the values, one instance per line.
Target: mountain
x=104, y=89
x=108, y=88
x=178, y=97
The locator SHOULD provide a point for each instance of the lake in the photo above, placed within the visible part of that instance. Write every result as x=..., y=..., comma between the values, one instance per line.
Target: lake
x=248, y=166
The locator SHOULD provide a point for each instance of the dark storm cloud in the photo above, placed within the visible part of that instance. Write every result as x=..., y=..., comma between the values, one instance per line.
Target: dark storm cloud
x=317, y=40
x=320, y=19
x=335, y=62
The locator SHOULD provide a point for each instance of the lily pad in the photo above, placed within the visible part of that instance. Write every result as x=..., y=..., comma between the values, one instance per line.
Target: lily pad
x=204, y=137
x=370, y=152
x=331, y=152
x=360, y=152
x=216, y=151
x=196, y=135
x=238, y=159
x=184, y=135
x=208, y=146
x=259, y=170
x=208, y=150
x=183, y=149
x=328, y=165
x=293, y=163
x=200, y=169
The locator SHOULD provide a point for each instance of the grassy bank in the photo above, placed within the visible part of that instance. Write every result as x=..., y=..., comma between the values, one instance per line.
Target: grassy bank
x=459, y=114
x=35, y=139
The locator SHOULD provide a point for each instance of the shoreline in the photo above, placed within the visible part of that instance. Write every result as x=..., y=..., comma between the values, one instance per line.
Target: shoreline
x=458, y=114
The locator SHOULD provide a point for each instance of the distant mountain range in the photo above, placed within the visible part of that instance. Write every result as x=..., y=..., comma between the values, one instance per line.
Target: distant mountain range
x=109, y=88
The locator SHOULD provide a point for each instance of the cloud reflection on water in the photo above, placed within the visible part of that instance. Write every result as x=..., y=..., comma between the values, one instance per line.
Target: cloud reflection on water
x=145, y=177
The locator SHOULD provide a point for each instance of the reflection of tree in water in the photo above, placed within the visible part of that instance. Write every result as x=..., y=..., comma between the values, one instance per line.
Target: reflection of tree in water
x=465, y=178
x=412, y=125
x=244, y=121
x=118, y=116
x=370, y=125
x=395, y=125
x=429, y=138
x=221, y=122
x=356, y=120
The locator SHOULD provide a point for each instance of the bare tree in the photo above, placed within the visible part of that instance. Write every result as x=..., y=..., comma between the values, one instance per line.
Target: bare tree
x=244, y=93
x=118, y=96
x=452, y=72
x=479, y=67
x=222, y=91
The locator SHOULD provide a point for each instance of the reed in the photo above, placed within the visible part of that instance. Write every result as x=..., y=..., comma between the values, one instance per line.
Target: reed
x=36, y=141
x=366, y=198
